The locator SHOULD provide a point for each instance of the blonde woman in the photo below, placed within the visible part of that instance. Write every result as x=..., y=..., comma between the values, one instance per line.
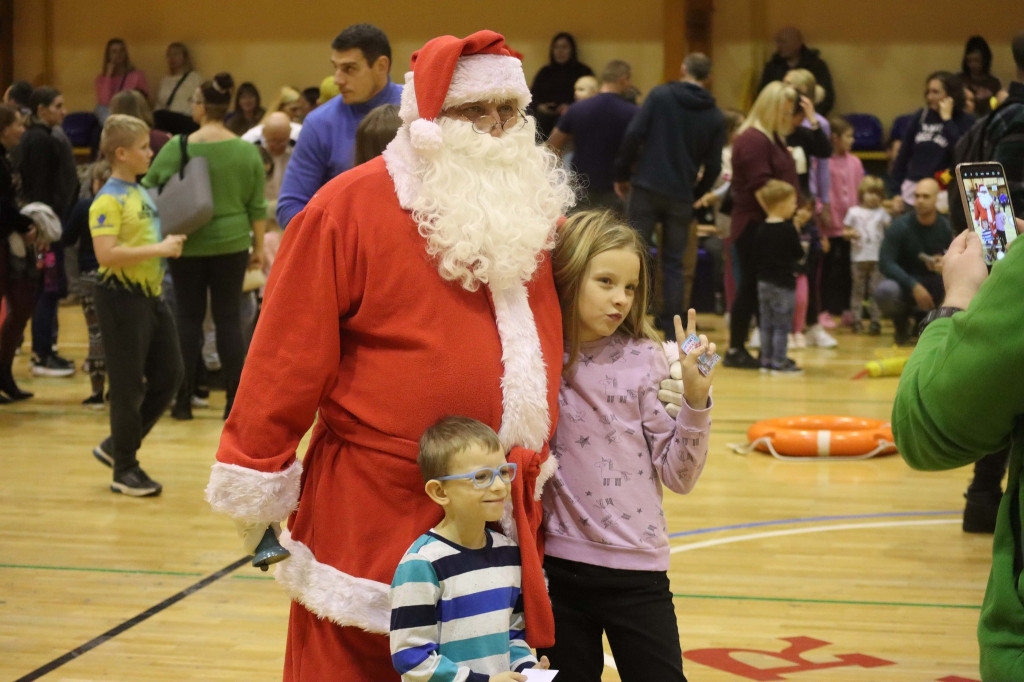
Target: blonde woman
x=759, y=154
x=287, y=100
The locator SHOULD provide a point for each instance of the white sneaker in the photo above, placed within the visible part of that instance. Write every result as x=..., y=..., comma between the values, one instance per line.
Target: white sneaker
x=798, y=341
x=755, y=339
x=817, y=336
x=200, y=402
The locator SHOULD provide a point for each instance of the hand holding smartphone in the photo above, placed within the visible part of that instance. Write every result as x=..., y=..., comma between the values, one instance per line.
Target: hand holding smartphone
x=986, y=200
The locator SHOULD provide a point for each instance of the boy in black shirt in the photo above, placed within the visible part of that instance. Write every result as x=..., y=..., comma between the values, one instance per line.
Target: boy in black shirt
x=778, y=245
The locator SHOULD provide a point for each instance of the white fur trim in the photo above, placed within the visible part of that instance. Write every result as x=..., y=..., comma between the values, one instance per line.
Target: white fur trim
x=425, y=135
x=476, y=77
x=547, y=470
x=508, y=522
x=488, y=76
x=671, y=350
x=401, y=160
x=252, y=496
x=525, y=419
x=343, y=599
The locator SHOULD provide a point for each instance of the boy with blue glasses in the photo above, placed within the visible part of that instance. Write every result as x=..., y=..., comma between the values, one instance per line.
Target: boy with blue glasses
x=455, y=597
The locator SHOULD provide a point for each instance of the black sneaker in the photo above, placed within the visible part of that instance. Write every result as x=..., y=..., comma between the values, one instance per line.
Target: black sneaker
x=739, y=358
x=103, y=456
x=787, y=366
x=874, y=329
x=52, y=366
x=136, y=483
x=95, y=401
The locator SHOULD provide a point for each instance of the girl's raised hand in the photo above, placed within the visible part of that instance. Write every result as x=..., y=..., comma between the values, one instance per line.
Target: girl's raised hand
x=696, y=386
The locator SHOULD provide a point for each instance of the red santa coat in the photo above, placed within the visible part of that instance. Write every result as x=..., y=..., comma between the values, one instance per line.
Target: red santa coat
x=982, y=213
x=359, y=328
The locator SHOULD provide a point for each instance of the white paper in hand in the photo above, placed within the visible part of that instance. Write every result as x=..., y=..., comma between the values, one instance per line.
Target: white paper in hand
x=535, y=675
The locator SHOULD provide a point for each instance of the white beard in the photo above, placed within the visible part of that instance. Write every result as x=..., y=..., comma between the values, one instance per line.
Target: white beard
x=985, y=199
x=487, y=206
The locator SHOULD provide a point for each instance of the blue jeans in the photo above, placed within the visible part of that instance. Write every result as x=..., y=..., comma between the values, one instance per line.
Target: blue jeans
x=776, y=319
x=646, y=209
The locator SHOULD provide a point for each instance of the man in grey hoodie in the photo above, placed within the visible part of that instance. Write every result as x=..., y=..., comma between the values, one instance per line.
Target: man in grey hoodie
x=677, y=132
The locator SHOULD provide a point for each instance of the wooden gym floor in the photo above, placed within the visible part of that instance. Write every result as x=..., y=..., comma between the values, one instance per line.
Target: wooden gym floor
x=820, y=570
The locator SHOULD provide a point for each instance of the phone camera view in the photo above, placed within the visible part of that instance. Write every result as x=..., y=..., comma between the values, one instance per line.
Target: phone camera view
x=988, y=204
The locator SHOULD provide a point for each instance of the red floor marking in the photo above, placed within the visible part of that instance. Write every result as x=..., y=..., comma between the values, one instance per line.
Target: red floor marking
x=722, y=659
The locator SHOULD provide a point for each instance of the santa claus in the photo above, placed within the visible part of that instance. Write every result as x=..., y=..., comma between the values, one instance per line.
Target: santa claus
x=984, y=208
x=415, y=286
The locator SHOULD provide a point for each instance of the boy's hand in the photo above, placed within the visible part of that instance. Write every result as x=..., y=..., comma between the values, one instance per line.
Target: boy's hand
x=696, y=386
x=543, y=663
x=507, y=677
x=171, y=245
x=825, y=246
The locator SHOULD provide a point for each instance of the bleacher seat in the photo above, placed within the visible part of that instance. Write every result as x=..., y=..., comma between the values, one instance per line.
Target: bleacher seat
x=867, y=131
x=82, y=129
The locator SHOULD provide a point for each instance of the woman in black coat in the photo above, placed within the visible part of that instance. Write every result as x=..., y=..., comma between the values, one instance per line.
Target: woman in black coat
x=552, y=87
x=17, y=266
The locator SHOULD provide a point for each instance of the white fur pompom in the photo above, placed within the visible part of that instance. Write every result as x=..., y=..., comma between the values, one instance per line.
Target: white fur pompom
x=425, y=135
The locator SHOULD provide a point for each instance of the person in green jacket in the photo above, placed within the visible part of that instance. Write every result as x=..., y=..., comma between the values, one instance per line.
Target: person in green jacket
x=961, y=397
x=216, y=256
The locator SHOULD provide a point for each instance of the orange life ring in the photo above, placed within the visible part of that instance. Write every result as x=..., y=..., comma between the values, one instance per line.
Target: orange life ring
x=822, y=436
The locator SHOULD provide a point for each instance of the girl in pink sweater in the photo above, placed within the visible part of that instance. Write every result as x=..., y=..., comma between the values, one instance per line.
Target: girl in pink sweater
x=606, y=539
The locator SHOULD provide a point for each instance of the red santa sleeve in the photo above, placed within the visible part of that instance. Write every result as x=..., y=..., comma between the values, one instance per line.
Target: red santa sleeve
x=291, y=363
x=534, y=469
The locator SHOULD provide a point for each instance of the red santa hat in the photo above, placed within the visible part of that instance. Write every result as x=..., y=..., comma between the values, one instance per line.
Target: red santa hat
x=450, y=71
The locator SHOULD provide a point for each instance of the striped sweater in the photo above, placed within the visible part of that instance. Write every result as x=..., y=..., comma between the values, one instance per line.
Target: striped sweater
x=457, y=613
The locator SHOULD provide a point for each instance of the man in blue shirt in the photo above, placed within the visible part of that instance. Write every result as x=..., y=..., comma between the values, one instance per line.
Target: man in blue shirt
x=596, y=125
x=361, y=55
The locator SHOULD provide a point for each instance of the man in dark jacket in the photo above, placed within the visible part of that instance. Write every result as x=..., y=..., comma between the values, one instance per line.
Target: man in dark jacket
x=677, y=131
x=791, y=53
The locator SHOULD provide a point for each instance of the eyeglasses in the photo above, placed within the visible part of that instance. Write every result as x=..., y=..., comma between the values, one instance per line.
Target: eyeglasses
x=509, y=118
x=194, y=100
x=483, y=478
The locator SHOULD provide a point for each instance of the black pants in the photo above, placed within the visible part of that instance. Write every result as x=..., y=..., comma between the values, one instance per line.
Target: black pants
x=813, y=269
x=633, y=608
x=988, y=474
x=143, y=366
x=222, y=277
x=836, y=284
x=646, y=210
x=744, y=305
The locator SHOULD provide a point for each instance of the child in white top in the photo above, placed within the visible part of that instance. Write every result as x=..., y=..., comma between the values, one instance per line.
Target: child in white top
x=865, y=225
x=606, y=539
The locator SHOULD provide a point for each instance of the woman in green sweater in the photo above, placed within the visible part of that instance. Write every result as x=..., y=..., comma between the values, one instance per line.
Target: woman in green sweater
x=961, y=397
x=215, y=256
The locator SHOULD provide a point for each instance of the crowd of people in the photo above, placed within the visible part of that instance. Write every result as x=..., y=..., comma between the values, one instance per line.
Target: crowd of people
x=468, y=166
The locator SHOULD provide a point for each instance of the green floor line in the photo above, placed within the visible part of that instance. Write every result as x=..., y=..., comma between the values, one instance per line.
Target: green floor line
x=828, y=601
x=87, y=569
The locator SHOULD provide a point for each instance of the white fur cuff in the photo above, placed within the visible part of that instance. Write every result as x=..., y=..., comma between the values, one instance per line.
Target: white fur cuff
x=253, y=496
x=344, y=599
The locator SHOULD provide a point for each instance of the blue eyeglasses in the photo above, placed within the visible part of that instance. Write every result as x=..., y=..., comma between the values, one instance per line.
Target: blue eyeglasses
x=483, y=478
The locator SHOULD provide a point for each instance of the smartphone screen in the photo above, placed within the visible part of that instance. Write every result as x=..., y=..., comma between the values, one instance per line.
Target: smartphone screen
x=986, y=199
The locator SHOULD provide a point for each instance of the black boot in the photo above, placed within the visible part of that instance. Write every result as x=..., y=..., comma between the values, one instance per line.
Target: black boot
x=980, y=512
x=985, y=492
x=9, y=387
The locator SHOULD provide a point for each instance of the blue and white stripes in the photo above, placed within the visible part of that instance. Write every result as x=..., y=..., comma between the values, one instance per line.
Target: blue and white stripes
x=457, y=613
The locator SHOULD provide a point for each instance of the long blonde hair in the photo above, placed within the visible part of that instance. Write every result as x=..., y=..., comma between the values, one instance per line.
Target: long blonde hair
x=583, y=236
x=770, y=109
